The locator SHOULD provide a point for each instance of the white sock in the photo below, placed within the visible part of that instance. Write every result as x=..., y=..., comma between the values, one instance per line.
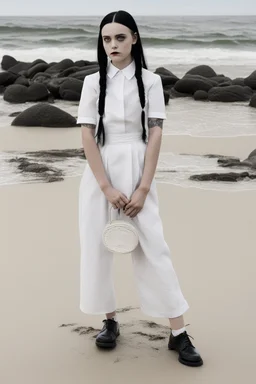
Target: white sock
x=177, y=332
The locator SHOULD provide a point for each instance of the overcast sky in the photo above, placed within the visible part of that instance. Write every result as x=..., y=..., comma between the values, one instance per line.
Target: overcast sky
x=136, y=7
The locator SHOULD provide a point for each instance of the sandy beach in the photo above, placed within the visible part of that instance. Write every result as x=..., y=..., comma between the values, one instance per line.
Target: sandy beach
x=44, y=336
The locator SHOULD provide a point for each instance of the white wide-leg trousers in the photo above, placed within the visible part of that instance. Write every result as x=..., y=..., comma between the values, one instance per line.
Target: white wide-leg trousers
x=159, y=290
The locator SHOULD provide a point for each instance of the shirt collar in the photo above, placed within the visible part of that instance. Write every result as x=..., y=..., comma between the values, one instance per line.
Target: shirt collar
x=128, y=71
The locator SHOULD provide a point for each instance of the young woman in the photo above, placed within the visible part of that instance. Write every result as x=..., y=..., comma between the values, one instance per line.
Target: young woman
x=121, y=111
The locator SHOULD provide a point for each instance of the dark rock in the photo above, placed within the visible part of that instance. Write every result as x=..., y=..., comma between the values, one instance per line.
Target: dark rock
x=175, y=94
x=80, y=75
x=26, y=166
x=168, y=80
x=7, y=78
x=22, y=81
x=8, y=62
x=54, y=86
x=221, y=79
x=165, y=72
x=2, y=89
x=230, y=93
x=41, y=77
x=69, y=71
x=225, y=84
x=56, y=68
x=251, y=159
x=201, y=95
x=228, y=159
x=220, y=157
x=249, y=162
x=14, y=114
x=37, y=92
x=58, y=154
x=250, y=81
x=168, y=88
x=41, y=67
x=83, y=63
x=18, y=160
x=70, y=95
x=42, y=171
x=239, y=81
x=44, y=115
x=198, y=77
x=230, y=163
x=202, y=70
x=230, y=176
x=17, y=93
x=71, y=89
x=20, y=68
x=252, y=154
x=37, y=61
x=253, y=101
x=52, y=179
x=50, y=99
x=248, y=89
x=190, y=84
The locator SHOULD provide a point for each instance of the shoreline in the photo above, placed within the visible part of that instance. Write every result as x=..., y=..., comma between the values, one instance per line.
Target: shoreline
x=239, y=146
x=31, y=138
x=173, y=166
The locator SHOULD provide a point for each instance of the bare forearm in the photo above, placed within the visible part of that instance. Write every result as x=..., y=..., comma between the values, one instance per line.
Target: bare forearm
x=151, y=157
x=93, y=156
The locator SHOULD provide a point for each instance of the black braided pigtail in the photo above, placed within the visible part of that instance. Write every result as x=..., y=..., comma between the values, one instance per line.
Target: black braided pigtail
x=103, y=61
x=141, y=89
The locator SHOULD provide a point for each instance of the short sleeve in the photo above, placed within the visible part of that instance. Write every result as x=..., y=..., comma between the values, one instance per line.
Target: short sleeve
x=87, y=109
x=156, y=104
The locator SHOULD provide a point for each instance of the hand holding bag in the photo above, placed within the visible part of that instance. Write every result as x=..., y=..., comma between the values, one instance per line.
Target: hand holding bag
x=119, y=236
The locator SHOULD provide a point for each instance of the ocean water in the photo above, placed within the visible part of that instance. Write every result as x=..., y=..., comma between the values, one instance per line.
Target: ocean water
x=227, y=44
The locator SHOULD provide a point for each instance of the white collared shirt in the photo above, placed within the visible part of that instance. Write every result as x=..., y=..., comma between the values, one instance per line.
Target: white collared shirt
x=122, y=103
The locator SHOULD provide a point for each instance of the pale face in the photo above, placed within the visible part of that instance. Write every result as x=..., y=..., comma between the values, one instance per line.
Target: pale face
x=118, y=38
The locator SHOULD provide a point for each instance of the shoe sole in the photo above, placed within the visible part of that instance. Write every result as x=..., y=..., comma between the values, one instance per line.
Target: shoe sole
x=191, y=363
x=106, y=345
x=198, y=363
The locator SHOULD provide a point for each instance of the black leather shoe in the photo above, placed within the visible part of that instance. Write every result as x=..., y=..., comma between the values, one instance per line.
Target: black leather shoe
x=188, y=354
x=108, y=335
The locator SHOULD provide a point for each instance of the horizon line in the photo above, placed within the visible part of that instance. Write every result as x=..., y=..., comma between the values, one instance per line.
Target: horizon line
x=145, y=15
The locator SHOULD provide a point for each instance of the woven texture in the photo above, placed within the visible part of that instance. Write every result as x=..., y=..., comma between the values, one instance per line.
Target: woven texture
x=120, y=236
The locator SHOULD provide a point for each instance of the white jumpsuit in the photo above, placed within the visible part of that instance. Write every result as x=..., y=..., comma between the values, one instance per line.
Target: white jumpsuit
x=123, y=158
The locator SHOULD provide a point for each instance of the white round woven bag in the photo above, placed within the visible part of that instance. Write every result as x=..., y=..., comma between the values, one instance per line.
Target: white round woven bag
x=119, y=236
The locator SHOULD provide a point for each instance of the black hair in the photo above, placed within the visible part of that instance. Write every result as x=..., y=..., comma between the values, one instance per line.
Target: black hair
x=124, y=18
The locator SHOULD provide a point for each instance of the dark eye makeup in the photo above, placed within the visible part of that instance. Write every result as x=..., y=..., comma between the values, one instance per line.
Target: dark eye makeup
x=118, y=37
